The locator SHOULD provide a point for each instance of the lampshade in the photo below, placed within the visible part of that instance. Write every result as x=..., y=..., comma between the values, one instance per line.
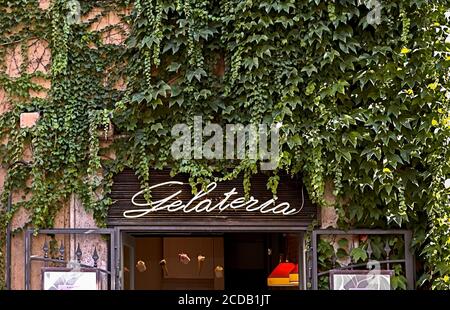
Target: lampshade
x=293, y=276
x=280, y=275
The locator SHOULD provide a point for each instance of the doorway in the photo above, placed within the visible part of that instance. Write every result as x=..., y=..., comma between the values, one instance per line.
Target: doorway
x=207, y=261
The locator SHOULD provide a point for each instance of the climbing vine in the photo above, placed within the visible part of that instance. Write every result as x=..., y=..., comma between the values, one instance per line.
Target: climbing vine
x=334, y=251
x=361, y=104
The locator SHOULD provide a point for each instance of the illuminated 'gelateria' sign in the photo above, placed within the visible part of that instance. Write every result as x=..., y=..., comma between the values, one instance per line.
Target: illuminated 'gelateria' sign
x=200, y=203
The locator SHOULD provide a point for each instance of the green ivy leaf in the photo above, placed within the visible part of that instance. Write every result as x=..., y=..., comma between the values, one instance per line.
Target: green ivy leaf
x=198, y=73
x=358, y=254
x=173, y=67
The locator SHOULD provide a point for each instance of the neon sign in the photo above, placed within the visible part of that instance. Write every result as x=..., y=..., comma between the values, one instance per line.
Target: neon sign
x=200, y=203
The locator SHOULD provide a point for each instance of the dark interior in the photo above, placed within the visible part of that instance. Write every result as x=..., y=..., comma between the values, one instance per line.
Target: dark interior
x=247, y=260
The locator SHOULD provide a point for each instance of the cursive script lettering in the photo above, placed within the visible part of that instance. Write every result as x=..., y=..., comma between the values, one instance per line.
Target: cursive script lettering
x=200, y=203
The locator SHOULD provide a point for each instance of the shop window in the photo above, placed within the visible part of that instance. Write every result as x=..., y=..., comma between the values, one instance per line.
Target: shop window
x=226, y=261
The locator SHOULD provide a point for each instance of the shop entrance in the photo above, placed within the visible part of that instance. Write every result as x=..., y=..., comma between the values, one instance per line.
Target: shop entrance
x=211, y=261
x=218, y=236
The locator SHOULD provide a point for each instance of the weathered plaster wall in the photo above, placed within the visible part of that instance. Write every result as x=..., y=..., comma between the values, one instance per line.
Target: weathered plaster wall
x=18, y=249
x=328, y=215
x=79, y=218
x=72, y=214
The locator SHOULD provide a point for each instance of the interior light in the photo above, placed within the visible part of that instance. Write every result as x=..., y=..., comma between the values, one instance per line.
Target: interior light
x=280, y=276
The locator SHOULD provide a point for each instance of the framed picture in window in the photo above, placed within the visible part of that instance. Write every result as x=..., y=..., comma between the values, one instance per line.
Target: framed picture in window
x=360, y=279
x=56, y=278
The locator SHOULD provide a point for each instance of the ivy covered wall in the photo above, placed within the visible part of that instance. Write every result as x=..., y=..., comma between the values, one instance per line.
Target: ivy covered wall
x=360, y=87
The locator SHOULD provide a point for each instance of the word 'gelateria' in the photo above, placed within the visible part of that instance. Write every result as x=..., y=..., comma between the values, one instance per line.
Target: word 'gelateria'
x=200, y=204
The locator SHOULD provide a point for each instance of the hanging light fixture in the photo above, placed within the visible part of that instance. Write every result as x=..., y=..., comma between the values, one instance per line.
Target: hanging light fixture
x=285, y=273
x=200, y=262
x=184, y=258
x=218, y=272
x=140, y=266
x=163, y=264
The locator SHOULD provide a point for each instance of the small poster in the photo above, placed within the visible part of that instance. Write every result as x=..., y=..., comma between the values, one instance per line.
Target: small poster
x=69, y=279
x=360, y=279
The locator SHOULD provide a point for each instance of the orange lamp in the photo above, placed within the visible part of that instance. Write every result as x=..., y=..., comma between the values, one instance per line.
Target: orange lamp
x=280, y=276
